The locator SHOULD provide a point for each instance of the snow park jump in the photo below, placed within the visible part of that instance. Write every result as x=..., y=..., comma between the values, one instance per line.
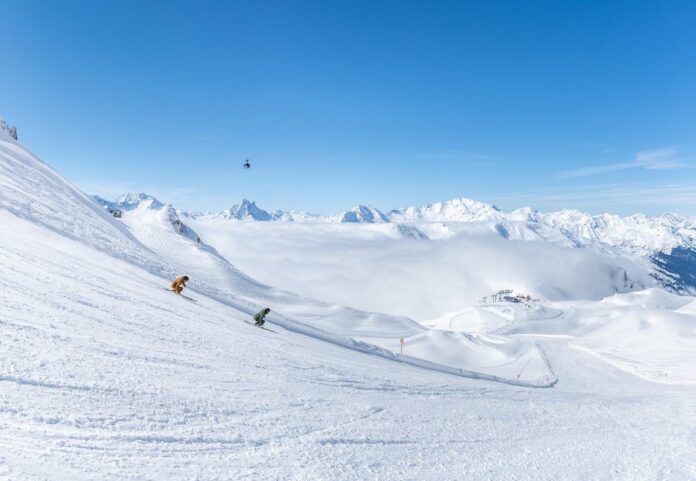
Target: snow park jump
x=242, y=241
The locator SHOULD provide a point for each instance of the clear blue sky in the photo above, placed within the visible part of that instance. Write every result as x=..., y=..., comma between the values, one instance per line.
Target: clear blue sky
x=590, y=105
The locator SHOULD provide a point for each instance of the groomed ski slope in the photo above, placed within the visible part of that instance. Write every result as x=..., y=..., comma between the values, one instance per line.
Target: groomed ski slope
x=106, y=375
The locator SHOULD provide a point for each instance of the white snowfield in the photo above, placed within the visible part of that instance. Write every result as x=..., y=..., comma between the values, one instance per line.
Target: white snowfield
x=106, y=375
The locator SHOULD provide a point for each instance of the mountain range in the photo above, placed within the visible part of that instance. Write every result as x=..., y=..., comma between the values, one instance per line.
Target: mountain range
x=665, y=245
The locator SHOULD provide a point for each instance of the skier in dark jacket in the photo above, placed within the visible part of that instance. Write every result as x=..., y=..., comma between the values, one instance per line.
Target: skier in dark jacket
x=259, y=317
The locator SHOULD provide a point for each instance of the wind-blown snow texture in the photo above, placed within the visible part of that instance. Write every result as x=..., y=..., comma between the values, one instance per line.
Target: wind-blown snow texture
x=106, y=375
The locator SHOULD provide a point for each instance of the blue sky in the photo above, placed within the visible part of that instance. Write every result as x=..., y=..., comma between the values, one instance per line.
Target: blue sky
x=588, y=105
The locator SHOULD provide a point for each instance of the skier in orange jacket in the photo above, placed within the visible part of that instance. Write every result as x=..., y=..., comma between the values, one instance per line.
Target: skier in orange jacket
x=179, y=283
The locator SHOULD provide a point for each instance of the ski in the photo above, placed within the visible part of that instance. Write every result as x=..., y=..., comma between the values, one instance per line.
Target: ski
x=261, y=327
x=190, y=299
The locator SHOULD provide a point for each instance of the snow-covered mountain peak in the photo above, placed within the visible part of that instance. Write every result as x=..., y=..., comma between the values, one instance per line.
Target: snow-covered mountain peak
x=247, y=210
x=665, y=245
x=457, y=210
x=362, y=213
x=525, y=214
x=132, y=201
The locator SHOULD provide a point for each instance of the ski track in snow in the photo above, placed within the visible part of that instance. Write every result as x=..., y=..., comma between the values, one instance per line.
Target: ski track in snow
x=105, y=375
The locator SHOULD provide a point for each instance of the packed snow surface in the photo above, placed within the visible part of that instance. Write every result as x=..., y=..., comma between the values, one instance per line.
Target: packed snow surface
x=104, y=374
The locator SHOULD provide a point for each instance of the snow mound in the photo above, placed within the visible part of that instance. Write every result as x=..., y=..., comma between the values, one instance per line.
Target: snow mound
x=653, y=298
x=689, y=308
x=649, y=333
x=656, y=344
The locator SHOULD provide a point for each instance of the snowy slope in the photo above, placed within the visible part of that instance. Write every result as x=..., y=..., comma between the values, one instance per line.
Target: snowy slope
x=106, y=375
